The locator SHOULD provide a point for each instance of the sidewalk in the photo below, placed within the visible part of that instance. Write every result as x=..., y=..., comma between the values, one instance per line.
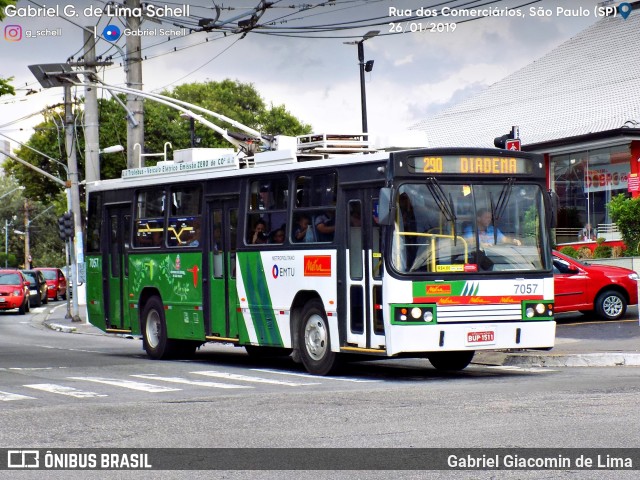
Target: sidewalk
x=580, y=344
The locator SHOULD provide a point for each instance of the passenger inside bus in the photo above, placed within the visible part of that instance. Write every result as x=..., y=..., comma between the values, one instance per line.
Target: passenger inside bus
x=302, y=231
x=277, y=236
x=260, y=232
x=325, y=225
x=194, y=238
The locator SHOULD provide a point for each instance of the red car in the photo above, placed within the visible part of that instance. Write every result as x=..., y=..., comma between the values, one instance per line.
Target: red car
x=56, y=283
x=605, y=289
x=14, y=291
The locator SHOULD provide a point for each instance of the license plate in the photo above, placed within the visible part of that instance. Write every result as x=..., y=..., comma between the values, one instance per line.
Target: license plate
x=481, y=337
x=2, y=299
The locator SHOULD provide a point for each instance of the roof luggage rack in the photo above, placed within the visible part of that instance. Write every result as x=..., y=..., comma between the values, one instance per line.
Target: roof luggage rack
x=334, y=143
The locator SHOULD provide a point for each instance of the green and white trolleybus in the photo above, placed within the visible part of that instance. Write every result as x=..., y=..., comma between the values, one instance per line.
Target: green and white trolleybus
x=326, y=248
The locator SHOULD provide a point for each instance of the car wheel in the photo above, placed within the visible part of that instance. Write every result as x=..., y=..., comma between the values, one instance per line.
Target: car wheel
x=611, y=305
x=24, y=307
x=451, y=361
x=46, y=300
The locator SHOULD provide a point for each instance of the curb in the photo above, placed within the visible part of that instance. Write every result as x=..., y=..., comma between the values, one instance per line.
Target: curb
x=60, y=328
x=602, y=359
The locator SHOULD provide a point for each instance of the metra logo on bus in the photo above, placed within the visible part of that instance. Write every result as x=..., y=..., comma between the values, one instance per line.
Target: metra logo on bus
x=317, y=265
x=438, y=290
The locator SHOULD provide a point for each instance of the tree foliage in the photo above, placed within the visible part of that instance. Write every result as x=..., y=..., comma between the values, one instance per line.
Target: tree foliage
x=3, y=4
x=625, y=212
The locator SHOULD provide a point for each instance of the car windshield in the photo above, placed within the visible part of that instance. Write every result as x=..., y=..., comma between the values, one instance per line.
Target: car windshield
x=30, y=276
x=9, y=279
x=50, y=274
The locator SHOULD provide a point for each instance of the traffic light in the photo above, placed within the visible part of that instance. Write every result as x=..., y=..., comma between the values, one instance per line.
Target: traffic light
x=501, y=142
x=507, y=141
x=61, y=230
x=65, y=226
x=68, y=224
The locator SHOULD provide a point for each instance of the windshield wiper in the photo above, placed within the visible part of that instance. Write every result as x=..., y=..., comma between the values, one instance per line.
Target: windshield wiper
x=498, y=209
x=445, y=205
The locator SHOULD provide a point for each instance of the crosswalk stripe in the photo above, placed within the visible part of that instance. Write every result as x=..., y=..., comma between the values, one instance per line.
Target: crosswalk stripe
x=308, y=375
x=247, y=378
x=145, y=387
x=7, y=397
x=62, y=390
x=186, y=381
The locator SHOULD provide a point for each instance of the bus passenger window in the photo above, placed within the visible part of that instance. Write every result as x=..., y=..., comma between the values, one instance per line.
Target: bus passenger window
x=149, y=223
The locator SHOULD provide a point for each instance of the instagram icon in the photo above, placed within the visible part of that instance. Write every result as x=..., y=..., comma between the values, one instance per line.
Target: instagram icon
x=13, y=33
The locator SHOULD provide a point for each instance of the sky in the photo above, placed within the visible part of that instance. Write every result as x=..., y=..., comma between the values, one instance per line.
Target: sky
x=297, y=55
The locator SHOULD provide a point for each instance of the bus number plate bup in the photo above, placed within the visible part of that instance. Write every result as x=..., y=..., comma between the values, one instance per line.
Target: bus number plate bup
x=480, y=337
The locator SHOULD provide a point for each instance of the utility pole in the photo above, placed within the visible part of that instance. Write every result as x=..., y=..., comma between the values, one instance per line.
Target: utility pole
x=91, y=132
x=27, y=247
x=70, y=146
x=133, y=69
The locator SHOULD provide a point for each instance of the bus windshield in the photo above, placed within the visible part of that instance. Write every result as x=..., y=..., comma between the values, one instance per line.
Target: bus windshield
x=467, y=228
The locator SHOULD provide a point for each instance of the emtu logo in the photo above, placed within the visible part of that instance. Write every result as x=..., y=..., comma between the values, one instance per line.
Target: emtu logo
x=13, y=33
x=111, y=33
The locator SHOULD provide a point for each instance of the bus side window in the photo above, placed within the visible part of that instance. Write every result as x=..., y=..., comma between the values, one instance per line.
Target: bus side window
x=149, y=223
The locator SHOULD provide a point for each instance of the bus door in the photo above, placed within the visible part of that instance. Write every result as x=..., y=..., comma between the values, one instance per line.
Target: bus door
x=223, y=297
x=365, y=327
x=116, y=273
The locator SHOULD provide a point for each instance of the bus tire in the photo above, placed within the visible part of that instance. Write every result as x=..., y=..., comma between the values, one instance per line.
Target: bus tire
x=314, y=342
x=451, y=361
x=154, y=330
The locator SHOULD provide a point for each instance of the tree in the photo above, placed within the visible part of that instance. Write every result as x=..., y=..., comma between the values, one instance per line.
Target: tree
x=236, y=100
x=625, y=213
x=3, y=5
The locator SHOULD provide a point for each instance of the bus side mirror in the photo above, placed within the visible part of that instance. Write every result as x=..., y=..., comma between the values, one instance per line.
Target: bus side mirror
x=552, y=210
x=386, y=208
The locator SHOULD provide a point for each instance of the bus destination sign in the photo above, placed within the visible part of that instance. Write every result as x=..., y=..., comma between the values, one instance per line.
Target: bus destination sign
x=469, y=164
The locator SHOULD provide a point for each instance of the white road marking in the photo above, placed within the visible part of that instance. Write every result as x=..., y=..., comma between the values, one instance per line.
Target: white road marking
x=7, y=397
x=144, y=387
x=308, y=375
x=62, y=390
x=247, y=378
x=186, y=381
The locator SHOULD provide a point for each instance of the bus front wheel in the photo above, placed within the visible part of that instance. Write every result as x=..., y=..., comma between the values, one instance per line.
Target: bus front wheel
x=451, y=361
x=154, y=330
x=314, y=341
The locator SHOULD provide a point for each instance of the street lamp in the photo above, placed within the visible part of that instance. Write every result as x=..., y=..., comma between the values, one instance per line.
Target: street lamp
x=364, y=67
x=112, y=149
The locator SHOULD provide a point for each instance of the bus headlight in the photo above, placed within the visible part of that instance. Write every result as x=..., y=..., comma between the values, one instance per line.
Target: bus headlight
x=529, y=312
x=414, y=314
x=541, y=308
